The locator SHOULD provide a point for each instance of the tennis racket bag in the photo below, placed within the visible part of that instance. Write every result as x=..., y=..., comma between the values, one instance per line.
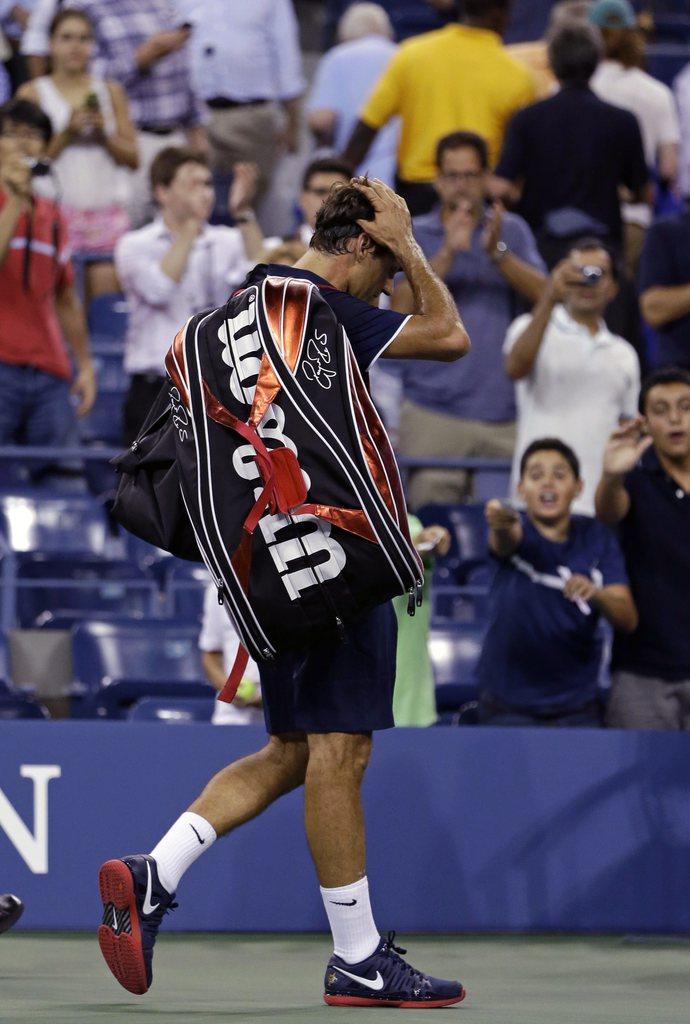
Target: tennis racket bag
x=266, y=458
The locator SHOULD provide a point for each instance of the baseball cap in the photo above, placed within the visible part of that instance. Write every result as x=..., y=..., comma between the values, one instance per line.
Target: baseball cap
x=612, y=14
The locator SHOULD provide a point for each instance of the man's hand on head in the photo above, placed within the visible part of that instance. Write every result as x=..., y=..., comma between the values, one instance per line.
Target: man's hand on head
x=392, y=225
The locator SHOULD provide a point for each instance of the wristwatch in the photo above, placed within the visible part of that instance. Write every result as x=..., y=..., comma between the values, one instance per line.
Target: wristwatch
x=500, y=252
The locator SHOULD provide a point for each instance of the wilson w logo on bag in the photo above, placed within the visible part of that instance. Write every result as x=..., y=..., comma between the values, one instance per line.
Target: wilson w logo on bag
x=267, y=459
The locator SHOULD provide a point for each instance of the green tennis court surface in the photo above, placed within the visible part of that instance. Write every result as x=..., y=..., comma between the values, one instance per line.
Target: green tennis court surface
x=212, y=978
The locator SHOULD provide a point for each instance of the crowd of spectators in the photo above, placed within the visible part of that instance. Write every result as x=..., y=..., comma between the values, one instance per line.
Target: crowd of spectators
x=548, y=184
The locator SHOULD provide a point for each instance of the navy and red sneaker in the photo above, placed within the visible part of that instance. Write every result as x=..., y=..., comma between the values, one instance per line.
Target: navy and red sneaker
x=134, y=902
x=11, y=909
x=385, y=979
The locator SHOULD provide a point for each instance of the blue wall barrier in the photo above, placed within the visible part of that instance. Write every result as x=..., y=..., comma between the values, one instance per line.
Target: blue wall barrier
x=469, y=829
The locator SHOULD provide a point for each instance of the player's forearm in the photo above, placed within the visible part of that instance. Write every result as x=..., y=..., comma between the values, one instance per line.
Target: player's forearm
x=522, y=356
x=430, y=297
x=611, y=501
x=212, y=662
x=663, y=305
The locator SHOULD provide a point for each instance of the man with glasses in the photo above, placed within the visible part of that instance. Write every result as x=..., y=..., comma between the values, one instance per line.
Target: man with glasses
x=38, y=304
x=490, y=263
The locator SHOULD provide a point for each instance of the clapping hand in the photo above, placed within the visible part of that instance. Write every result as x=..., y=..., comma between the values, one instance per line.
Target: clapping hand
x=579, y=588
x=460, y=225
x=242, y=191
x=433, y=540
x=491, y=234
x=625, y=447
x=500, y=516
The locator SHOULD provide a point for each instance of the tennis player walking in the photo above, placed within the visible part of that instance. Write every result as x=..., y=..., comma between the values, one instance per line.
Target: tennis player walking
x=322, y=705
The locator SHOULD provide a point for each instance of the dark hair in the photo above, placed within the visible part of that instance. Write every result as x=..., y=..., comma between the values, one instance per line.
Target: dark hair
x=591, y=242
x=463, y=140
x=64, y=14
x=671, y=375
x=483, y=10
x=551, y=444
x=336, y=221
x=325, y=165
x=575, y=49
x=168, y=162
x=28, y=113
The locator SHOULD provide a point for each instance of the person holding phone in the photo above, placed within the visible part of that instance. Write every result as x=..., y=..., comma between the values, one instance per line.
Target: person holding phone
x=575, y=379
x=38, y=303
x=93, y=147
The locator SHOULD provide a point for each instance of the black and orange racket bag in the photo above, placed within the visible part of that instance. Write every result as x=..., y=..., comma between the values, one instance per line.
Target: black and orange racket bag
x=265, y=458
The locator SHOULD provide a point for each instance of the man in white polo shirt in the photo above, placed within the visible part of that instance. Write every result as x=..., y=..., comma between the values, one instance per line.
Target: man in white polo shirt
x=575, y=379
x=178, y=265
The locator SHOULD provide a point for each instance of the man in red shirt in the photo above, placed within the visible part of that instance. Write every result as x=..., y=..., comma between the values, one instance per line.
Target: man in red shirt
x=38, y=304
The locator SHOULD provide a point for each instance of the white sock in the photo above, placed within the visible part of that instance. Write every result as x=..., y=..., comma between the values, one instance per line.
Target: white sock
x=355, y=936
x=187, y=839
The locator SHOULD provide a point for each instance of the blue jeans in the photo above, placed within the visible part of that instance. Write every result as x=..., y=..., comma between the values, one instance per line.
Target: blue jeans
x=35, y=407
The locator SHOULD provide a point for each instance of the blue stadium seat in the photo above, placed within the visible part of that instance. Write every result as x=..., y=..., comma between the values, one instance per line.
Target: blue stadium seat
x=68, y=618
x=74, y=523
x=107, y=317
x=454, y=652
x=104, y=422
x=81, y=583
x=468, y=532
x=107, y=359
x=185, y=584
x=15, y=706
x=180, y=711
x=115, y=663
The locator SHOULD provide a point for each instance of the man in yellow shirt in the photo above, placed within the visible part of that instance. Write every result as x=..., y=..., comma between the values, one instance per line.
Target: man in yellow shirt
x=457, y=78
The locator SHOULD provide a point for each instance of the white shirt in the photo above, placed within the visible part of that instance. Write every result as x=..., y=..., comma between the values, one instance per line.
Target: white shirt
x=579, y=388
x=219, y=634
x=244, y=51
x=159, y=306
x=648, y=99
x=681, y=88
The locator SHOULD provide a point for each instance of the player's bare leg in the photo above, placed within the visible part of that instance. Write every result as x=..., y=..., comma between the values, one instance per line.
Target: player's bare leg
x=248, y=786
x=333, y=814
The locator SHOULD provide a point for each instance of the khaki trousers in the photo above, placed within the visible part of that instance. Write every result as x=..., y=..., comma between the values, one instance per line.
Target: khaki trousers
x=423, y=433
x=246, y=133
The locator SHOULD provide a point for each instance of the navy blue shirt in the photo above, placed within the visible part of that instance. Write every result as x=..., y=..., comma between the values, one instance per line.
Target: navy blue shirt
x=665, y=263
x=541, y=650
x=655, y=536
x=573, y=150
x=370, y=330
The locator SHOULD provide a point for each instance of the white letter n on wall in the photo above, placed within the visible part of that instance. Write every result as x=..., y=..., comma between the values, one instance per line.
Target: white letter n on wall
x=31, y=846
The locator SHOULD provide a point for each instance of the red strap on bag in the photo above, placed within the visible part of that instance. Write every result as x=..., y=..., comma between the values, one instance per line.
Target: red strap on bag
x=229, y=691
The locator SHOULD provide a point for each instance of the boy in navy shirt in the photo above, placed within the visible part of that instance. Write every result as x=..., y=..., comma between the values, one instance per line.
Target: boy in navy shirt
x=557, y=574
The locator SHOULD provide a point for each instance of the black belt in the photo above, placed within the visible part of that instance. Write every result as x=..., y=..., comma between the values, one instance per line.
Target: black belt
x=158, y=129
x=223, y=103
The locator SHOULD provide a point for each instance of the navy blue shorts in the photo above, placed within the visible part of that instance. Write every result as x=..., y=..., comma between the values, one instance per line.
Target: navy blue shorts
x=335, y=686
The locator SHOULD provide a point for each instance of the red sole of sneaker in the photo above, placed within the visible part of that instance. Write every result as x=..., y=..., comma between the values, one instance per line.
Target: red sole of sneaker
x=122, y=953
x=415, y=1004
